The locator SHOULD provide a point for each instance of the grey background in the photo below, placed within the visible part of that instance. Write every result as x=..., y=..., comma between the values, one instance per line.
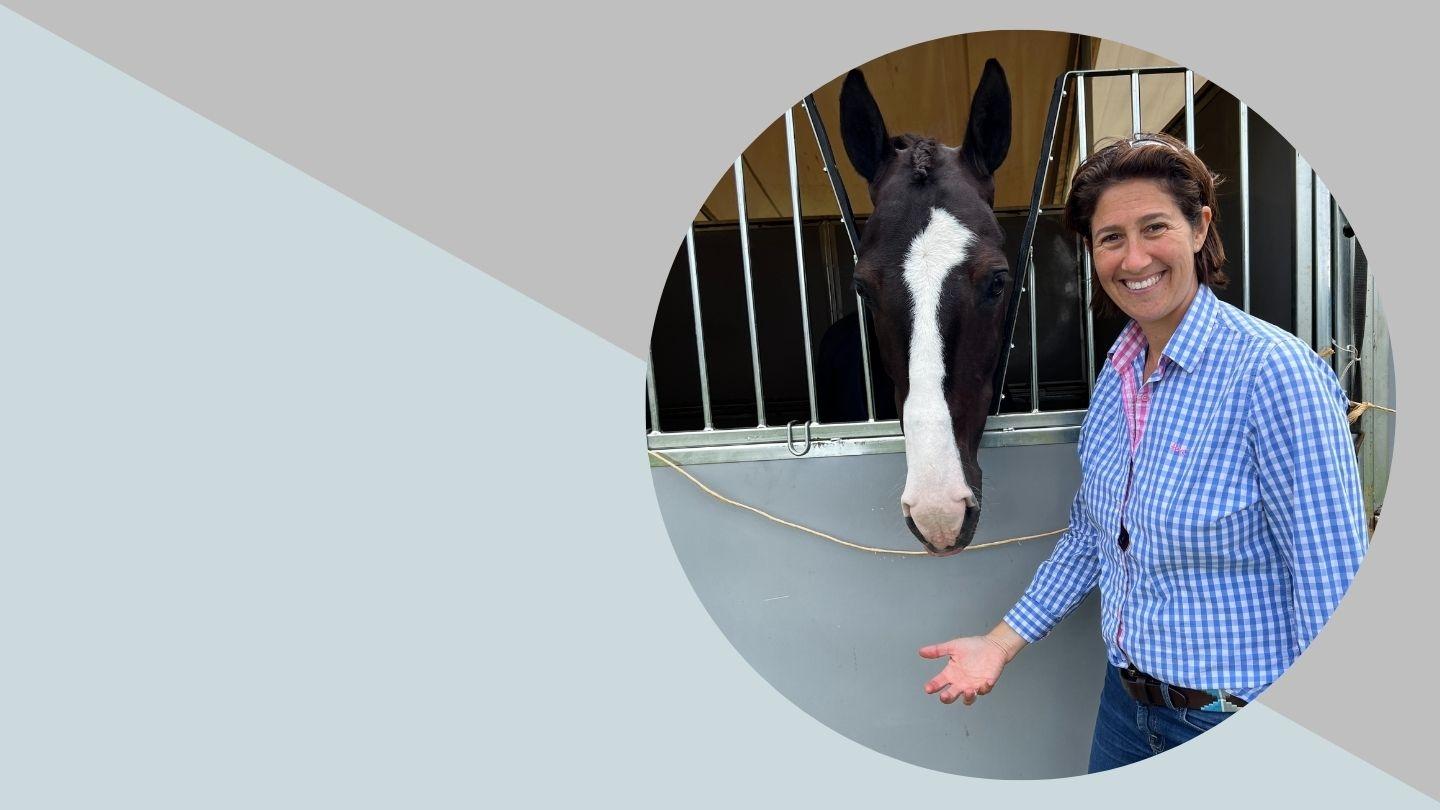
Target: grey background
x=308, y=568
x=838, y=630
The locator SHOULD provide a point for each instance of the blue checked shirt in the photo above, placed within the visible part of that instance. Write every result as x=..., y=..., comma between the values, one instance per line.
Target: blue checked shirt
x=1242, y=502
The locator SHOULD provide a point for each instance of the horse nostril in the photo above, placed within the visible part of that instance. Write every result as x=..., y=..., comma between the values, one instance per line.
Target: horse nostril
x=915, y=530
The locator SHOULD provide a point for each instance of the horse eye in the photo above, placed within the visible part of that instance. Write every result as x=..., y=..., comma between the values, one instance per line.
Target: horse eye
x=998, y=277
x=862, y=290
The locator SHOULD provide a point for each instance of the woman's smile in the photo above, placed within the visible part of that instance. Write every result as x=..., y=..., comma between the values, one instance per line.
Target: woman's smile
x=1142, y=284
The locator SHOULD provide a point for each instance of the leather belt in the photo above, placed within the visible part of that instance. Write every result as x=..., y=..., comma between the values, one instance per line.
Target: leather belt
x=1153, y=691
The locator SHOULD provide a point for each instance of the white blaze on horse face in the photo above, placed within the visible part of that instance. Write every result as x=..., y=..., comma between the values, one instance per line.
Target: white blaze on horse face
x=936, y=494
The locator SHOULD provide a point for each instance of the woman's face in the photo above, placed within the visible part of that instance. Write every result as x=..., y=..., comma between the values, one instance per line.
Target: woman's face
x=1144, y=253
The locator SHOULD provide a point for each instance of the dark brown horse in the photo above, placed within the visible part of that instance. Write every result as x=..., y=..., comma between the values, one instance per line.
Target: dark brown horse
x=933, y=272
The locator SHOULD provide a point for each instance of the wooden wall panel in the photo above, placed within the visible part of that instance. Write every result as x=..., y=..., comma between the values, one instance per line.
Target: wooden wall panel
x=925, y=89
x=1161, y=97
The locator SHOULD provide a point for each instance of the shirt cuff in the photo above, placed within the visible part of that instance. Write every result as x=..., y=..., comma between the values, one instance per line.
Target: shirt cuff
x=1031, y=620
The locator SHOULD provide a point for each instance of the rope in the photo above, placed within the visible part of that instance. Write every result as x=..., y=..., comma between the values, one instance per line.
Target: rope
x=1357, y=410
x=822, y=535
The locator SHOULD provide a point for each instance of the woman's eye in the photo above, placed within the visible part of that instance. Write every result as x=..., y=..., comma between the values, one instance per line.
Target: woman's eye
x=1156, y=227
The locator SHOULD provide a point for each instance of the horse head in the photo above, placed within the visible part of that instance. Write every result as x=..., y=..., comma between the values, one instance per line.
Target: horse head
x=933, y=272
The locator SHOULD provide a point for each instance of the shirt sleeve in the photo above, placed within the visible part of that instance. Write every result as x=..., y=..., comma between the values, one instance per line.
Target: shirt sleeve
x=1309, y=481
x=1061, y=581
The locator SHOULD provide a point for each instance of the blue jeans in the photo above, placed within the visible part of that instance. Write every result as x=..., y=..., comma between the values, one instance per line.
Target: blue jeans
x=1127, y=730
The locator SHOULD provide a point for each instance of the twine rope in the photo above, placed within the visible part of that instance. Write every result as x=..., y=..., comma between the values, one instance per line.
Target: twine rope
x=830, y=537
x=1357, y=409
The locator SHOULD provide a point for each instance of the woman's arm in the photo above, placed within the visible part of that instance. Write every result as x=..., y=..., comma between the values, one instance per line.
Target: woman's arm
x=1061, y=582
x=1308, y=478
x=975, y=662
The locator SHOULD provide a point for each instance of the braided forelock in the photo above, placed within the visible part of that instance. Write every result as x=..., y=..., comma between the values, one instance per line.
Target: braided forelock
x=922, y=159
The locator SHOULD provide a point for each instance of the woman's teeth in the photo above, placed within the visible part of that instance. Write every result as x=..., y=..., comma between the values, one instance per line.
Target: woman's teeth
x=1145, y=284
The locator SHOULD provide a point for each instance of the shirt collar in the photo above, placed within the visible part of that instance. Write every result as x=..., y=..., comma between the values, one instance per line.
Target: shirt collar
x=1186, y=346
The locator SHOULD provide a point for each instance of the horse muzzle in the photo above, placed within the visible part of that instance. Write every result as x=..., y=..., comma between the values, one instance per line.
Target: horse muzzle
x=943, y=530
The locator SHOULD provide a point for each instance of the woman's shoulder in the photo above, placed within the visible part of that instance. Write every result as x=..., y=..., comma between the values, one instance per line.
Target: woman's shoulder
x=1279, y=364
x=1267, y=345
x=1244, y=326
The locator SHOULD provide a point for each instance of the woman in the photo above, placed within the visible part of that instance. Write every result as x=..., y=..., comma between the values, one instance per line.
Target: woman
x=1219, y=509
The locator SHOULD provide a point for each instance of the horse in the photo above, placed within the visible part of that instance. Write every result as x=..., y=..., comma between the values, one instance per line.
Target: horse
x=932, y=270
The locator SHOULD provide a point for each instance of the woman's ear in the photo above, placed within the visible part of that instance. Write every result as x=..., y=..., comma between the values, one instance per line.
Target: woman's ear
x=1204, y=229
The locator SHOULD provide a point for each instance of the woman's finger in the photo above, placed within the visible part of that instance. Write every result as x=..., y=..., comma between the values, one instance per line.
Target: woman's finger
x=935, y=650
x=936, y=683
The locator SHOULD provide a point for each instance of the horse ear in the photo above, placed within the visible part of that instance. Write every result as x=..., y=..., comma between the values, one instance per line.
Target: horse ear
x=861, y=126
x=987, y=137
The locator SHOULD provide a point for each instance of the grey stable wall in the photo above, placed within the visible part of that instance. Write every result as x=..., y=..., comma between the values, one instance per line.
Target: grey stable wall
x=837, y=630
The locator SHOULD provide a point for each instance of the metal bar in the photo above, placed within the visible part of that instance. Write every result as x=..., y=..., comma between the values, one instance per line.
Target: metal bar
x=1083, y=139
x=827, y=157
x=865, y=359
x=800, y=259
x=699, y=331
x=832, y=448
x=1304, y=256
x=1003, y=212
x=1245, y=203
x=847, y=215
x=650, y=395
x=1379, y=386
x=1034, y=333
x=1135, y=101
x=1342, y=256
x=1190, y=109
x=1027, y=239
x=1367, y=372
x=1324, y=315
x=1087, y=303
x=835, y=288
x=749, y=289
x=776, y=434
x=1101, y=73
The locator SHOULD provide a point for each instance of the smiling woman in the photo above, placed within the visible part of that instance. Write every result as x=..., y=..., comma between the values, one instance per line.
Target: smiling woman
x=1220, y=512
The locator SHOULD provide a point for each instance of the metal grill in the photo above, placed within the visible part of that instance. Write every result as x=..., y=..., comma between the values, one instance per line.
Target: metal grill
x=1322, y=301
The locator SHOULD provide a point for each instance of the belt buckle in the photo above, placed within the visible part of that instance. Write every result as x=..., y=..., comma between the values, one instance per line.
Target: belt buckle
x=1221, y=703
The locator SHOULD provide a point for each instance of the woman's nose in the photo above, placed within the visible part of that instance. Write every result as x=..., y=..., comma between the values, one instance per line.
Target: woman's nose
x=1135, y=257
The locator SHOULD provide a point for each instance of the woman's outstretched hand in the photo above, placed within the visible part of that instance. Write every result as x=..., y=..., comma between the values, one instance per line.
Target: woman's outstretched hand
x=973, y=663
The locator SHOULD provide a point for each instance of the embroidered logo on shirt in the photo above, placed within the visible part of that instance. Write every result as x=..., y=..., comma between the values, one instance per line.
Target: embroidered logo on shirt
x=1177, y=448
